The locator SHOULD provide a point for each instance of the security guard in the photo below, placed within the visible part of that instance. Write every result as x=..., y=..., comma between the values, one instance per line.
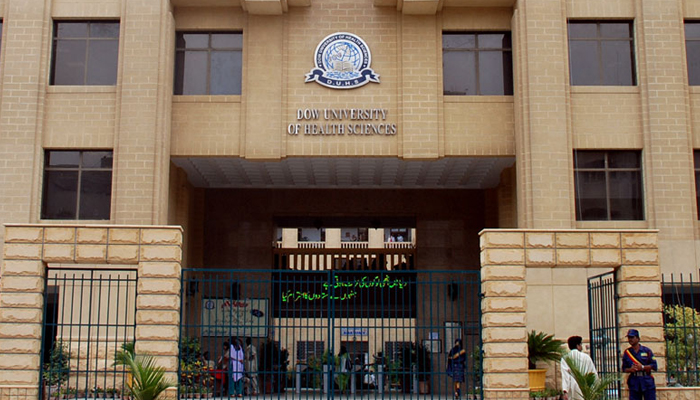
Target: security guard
x=639, y=361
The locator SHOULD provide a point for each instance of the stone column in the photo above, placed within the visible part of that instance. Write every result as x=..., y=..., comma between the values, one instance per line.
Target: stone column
x=158, y=299
x=21, y=313
x=639, y=290
x=543, y=135
x=504, y=315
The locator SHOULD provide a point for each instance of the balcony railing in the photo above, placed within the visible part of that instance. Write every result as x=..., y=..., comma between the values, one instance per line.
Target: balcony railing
x=323, y=259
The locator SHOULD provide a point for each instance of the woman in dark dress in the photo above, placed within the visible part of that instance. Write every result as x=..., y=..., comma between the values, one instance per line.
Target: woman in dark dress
x=456, y=365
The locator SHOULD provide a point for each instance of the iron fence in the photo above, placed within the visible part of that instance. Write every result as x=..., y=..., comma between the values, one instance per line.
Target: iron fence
x=681, y=298
x=602, y=314
x=88, y=315
x=325, y=333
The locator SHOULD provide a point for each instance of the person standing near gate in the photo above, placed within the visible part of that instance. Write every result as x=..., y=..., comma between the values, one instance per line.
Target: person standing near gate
x=235, y=376
x=456, y=365
x=639, y=361
x=583, y=360
x=251, y=365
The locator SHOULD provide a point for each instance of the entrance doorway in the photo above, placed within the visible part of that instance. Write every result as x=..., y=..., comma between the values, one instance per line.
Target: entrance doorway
x=393, y=325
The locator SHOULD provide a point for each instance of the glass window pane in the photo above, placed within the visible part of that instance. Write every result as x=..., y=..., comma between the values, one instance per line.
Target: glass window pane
x=71, y=30
x=104, y=29
x=697, y=193
x=459, y=73
x=693, y=55
x=584, y=63
x=69, y=62
x=624, y=159
x=63, y=159
x=102, y=62
x=616, y=30
x=458, y=41
x=95, y=194
x=97, y=159
x=226, y=41
x=194, y=79
x=696, y=158
x=194, y=40
x=692, y=30
x=494, y=41
x=491, y=72
x=582, y=30
x=225, y=72
x=589, y=159
x=626, y=196
x=591, y=196
x=60, y=194
x=617, y=63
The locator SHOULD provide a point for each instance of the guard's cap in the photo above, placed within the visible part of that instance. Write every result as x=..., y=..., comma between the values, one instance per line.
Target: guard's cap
x=632, y=332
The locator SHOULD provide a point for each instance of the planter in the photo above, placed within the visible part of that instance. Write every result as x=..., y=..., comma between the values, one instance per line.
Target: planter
x=537, y=379
x=424, y=387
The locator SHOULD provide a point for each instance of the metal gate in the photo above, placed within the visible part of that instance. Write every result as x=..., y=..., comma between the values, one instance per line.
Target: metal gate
x=88, y=315
x=327, y=333
x=602, y=314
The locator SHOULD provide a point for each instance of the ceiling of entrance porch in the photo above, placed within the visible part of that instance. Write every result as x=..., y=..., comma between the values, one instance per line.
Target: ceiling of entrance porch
x=332, y=172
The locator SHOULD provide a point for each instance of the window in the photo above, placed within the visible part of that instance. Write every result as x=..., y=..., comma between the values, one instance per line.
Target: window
x=307, y=350
x=477, y=63
x=692, y=50
x=601, y=53
x=0, y=33
x=85, y=53
x=608, y=185
x=696, y=155
x=77, y=184
x=208, y=63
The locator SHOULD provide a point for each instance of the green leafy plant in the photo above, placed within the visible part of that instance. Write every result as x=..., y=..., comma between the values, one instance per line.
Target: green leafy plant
x=148, y=380
x=55, y=372
x=543, y=347
x=592, y=387
x=681, y=331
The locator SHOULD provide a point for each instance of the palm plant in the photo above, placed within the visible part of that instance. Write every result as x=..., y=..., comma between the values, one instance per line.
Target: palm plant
x=543, y=347
x=592, y=387
x=148, y=380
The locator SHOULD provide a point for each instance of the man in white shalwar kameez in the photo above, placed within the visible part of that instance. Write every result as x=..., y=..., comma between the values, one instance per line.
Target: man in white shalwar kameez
x=568, y=383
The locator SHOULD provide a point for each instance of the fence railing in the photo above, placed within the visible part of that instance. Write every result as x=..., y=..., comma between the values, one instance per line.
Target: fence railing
x=681, y=299
x=88, y=315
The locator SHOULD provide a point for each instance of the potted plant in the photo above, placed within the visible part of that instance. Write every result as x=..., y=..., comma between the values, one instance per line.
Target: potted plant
x=592, y=387
x=55, y=372
x=541, y=347
x=148, y=380
x=424, y=367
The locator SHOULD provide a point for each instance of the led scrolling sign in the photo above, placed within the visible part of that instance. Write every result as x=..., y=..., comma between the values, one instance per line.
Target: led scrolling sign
x=348, y=289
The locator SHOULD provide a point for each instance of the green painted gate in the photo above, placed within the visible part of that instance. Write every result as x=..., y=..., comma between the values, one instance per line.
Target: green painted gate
x=392, y=328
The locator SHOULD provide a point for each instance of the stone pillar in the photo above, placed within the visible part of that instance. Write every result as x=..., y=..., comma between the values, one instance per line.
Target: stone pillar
x=156, y=251
x=158, y=299
x=21, y=313
x=504, y=315
x=543, y=133
x=144, y=89
x=639, y=290
x=419, y=89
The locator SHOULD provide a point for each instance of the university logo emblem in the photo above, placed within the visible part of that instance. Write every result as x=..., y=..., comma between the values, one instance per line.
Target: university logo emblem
x=342, y=62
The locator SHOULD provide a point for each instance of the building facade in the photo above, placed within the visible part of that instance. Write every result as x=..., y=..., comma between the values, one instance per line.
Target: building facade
x=564, y=131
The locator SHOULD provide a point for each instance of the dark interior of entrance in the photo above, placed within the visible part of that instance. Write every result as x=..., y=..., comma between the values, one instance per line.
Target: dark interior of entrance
x=238, y=226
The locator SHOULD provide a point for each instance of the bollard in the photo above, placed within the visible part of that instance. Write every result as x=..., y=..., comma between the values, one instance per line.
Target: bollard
x=414, y=379
x=326, y=372
x=298, y=379
x=353, y=381
x=380, y=378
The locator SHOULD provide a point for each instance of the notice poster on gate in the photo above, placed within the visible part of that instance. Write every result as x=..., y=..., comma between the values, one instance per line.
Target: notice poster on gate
x=226, y=318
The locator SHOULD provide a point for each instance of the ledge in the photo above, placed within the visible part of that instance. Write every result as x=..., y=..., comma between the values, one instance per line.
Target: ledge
x=478, y=99
x=80, y=89
x=605, y=89
x=207, y=99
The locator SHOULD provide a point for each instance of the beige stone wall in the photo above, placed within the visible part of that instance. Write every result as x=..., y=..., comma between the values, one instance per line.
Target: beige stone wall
x=536, y=279
x=155, y=251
